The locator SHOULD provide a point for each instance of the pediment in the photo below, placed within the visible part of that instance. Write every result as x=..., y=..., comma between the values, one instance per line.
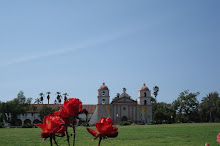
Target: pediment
x=124, y=100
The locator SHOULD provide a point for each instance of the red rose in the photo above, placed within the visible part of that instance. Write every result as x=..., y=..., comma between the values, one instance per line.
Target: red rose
x=104, y=128
x=71, y=107
x=62, y=114
x=218, y=138
x=51, y=124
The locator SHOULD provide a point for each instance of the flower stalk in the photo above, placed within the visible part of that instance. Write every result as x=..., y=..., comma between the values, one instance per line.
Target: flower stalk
x=74, y=133
x=100, y=139
x=51, y=143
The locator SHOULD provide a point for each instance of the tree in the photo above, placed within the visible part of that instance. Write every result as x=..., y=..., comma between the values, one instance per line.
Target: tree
x=22, y=99
x=55, y=101
x=41, y=97
x=210, y=108
x=65, y=96
x=45, y=110
x=34, y=108
x=59, y=97
x=12, y=109
x=116, y=97
x=37, y=101
x=1, y=111
x=186, y=107
x=163, y=112
x=48, y=96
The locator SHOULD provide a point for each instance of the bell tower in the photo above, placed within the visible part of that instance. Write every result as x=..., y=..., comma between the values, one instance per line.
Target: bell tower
x=144, y=96
x=103, y=95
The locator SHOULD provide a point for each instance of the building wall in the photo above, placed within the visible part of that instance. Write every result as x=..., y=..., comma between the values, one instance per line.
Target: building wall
x=134, y=112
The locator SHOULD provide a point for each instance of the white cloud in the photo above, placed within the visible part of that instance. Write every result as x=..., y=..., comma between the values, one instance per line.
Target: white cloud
x=86, y=44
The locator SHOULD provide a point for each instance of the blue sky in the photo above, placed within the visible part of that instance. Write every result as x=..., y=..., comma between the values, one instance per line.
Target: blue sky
x=73, y=46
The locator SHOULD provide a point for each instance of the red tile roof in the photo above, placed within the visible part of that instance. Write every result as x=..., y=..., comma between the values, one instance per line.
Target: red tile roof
x=89, y=107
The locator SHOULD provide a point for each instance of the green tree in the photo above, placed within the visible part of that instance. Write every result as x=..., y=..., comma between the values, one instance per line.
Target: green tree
x=34, y=108
x=163, y=112
x=15, y=107
x=48, y=96
x=42, y=97
x=59, y=97
x=22, y=99
x=1, y=112
x=45, y=110
x=65, y=96
x=210, y=108
x=37, y=101
x=116, y=97
x=186, y=107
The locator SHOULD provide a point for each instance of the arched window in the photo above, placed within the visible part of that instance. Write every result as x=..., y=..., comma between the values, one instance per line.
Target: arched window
x=103, y=93
x=18, y=122
x=145, y=94
x=27, y=121
x=145, y=102
x=103, y=101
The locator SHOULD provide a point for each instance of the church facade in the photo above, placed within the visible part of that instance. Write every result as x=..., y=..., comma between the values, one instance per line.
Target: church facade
x=123, y=108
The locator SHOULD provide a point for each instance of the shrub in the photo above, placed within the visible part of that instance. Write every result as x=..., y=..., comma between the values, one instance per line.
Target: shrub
x=123, y=123
x=164, y=122
x=1, y=125
x=152, y=122
x=27, y=125
x=130, y=122
x=86, y=124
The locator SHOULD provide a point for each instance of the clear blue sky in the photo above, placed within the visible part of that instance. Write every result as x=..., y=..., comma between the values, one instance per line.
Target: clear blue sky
x=73, y=46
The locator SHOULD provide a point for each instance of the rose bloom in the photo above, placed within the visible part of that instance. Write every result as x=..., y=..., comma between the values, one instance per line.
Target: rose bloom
x=104, y=128
x=218, y=138
x=71, y=107
x=207, y=144
x=51, y=124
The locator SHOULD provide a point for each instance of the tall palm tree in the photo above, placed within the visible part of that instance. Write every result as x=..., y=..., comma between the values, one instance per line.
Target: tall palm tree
x=60, y=100
x=59, y=97
x=65, y=96
x=37, y=101
x=48, y=96
x=41, y=97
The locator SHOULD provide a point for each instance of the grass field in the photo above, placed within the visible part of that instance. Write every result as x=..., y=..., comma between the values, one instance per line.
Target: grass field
x=192, y=134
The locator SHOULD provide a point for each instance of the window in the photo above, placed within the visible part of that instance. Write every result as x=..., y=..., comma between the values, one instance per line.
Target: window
x=145, y=102
x=103, y=93
x=145, y=94
x=103, y=101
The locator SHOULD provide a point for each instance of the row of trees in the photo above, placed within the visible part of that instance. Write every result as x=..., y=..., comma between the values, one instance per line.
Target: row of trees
x=57, y=100
x=11, y=109
x=186, y=108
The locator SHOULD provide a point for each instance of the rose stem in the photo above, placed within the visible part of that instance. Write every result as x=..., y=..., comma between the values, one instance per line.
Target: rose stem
x=55, y=140
x=51, y=143
x=100, y=139
x=67, y=135
x=74, y=132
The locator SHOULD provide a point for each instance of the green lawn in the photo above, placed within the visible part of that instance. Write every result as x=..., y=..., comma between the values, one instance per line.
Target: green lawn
x=191, y=134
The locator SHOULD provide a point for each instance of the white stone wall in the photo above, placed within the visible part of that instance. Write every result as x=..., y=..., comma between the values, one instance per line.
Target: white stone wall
x=30, y=116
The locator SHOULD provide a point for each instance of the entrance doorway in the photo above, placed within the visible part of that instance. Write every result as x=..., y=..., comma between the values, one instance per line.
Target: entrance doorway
x=124, y=118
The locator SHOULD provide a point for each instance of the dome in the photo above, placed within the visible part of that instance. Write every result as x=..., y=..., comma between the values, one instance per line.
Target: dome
x=144, y=88
x=103, y=87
